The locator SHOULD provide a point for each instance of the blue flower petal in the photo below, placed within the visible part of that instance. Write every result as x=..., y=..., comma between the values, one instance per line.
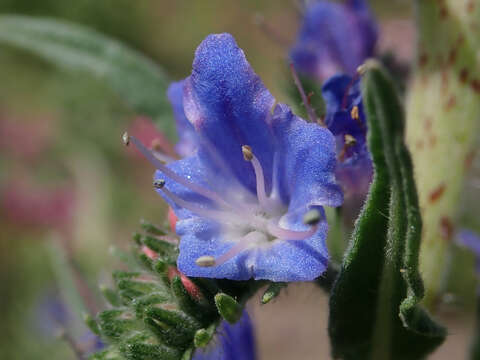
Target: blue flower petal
x=204, y=237
x=307, y=151
x=292, y=260
x=187, y=142
x=295, y=260
x=228, y=105
x=193, y=170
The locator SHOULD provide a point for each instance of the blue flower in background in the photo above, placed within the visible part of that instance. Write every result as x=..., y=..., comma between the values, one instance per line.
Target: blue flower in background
x=471, y=240
x=242, y=197
x=345, y=118
x=53, y=316
x=187, y=139
x=233, y=342
x=334, y=38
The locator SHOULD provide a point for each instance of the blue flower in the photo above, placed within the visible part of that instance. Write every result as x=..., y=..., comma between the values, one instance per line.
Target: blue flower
x=345, y=118
x=187, y=142
x=233, y=342
x=334, y=38
x=471, y=240
x=258, y=170
x=52, y=315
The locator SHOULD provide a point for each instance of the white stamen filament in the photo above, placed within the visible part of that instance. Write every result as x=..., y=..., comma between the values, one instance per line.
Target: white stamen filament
x=172, y=175
x=257, y=215
x=285, y=234
x=162, y=157
x=236, y=249
x=216, y=215
x=260, y=179
x=242, y=245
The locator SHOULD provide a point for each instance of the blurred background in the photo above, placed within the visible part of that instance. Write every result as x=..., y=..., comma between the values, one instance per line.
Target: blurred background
x=71, y=194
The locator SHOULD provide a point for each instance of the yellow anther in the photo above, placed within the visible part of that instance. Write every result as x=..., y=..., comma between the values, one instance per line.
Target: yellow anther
x=126, y=139
x=159, y=184
x=156, y=145
x=272, y=109
x=312, y=217
x=247, y=152
x=354, y=113
x=349, y=140
x=205, y=261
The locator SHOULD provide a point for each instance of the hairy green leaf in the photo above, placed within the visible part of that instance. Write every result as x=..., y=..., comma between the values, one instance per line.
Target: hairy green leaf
x=136, y=79
x=374, y=312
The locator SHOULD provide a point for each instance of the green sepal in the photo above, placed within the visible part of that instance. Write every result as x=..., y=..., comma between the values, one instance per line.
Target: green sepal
x=228, y=308
x=143, y=351
x=151, y=229
x=143, y=302
x=187, y=355
x=157, y=317
x=108, y=354
x=119, y=275
x=145, y=261
x=163, y=248
x=374, y=311
x=91, y=323
x=131, y=289
x=173, y=327
x=203, y=313
x=124, y=257
x=115, y=323
x=137, y=237
x=203, y=336
x=161, y=268
x=111, y=296
x=272, y=291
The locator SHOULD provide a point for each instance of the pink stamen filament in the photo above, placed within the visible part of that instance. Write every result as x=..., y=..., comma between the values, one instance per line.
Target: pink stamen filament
x=172, y=175
x=242, y=245
x=306, y=101
x=285, y=234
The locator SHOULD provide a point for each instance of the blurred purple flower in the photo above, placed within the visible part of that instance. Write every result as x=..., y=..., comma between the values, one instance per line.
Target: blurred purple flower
x=258, y=170
x=53, y=316
x=470, y=240
x=345, y=118
x=334, y=38
x=233, y=342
